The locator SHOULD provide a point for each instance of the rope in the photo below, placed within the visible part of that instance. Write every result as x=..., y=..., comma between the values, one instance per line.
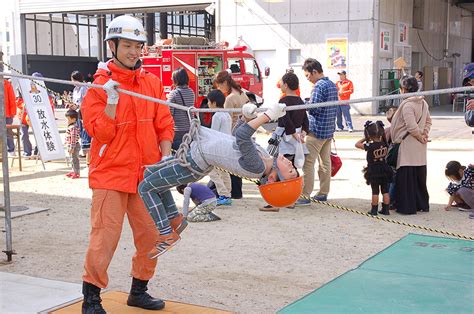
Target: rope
x=40, y=84
x=424, y=47
x=406, y=224
x=98, y=86
x=257, y=182
x=457, y=235
x=238, y=110
x=182, y=151
x=195, y=124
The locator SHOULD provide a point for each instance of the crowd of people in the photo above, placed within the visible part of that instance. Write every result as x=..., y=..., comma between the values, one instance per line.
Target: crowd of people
x=130, y=143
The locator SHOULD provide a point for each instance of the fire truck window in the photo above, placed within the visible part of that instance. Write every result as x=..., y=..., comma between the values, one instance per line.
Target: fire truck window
x=234, y=65
x=251, y=68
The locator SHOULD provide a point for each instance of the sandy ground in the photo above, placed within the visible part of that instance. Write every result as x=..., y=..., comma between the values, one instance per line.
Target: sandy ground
x=250, y=262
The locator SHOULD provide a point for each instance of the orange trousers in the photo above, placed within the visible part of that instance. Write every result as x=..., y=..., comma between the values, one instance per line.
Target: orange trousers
x=107, y=214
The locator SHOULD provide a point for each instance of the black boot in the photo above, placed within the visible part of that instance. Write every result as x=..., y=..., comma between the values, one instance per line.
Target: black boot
x=140, y=298
x=385, y=209
x=374, y=209
x=91, y=303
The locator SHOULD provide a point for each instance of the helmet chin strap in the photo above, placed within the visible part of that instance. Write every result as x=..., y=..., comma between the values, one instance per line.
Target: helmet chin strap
x=137, y=65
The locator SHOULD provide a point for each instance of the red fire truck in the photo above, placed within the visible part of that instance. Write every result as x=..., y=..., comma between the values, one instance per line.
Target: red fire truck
x=201, y=61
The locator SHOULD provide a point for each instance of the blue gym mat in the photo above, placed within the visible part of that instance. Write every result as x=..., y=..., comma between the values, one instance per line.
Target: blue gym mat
x=417, y=274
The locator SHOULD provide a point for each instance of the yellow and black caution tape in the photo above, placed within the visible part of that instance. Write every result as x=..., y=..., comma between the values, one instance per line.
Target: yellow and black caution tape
x=402, y=223
x=257, y=182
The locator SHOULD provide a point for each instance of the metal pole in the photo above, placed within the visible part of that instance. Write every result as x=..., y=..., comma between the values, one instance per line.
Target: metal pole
x=6, y=178
x=150, y=28
x=163, y=25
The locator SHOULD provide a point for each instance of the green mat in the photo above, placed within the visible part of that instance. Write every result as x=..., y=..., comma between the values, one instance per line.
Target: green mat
x=417, y=274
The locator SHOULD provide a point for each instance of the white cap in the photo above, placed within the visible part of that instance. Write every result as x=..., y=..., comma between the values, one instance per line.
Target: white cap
x=126, y=27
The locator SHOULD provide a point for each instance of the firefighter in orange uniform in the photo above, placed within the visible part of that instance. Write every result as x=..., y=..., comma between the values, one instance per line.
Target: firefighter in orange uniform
x=344, y=89
x=127, y=134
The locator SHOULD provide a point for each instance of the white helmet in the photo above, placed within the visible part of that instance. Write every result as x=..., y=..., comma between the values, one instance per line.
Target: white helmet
x=126, y=27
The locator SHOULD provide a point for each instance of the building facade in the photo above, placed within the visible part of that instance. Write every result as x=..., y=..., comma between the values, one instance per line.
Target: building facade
x=363, y=37
x=6, y=30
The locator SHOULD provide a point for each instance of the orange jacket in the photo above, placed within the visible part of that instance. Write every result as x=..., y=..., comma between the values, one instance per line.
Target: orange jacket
x=345, y=89
x=122, y=146
x=22, y=115
x=9, y=94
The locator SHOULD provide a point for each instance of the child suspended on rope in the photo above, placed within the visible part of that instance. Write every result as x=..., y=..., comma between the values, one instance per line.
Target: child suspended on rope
x=209, y=148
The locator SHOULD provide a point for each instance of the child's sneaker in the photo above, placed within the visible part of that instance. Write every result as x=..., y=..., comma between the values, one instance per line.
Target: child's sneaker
x=302, y=202
x=212, y=217
x=163, y=244
x=178, y=223
x=75, y=176
x=204, y=218
x=69, y=174
x=223, y=200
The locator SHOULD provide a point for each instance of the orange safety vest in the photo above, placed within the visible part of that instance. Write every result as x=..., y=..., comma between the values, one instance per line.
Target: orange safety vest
x=345, y=89
x=122, y=146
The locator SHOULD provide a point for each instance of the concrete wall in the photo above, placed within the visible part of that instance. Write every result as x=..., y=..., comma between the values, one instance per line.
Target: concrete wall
x=285, y=33
x=433, y=34
x=274, y=30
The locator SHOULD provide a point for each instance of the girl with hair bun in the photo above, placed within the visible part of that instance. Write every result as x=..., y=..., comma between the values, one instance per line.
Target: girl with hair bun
x=378, y=173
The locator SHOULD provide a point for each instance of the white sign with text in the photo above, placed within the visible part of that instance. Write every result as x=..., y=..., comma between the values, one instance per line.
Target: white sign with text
x=42, y=119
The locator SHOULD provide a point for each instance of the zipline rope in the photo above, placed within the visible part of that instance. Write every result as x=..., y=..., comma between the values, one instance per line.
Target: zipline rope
x=182, y=150
x=297, y=107
x=40, y=84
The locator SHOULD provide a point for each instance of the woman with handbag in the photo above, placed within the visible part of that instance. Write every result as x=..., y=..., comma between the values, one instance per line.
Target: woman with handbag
x=181, y=95
x=410, y=127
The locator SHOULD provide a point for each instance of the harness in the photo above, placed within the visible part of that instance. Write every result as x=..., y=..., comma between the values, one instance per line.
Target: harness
x=183, y=149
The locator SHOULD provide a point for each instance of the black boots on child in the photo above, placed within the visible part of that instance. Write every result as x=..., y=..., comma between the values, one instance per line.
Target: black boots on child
x=138, y=298
x=384, y=211
x=91, y=303
x=374, y=210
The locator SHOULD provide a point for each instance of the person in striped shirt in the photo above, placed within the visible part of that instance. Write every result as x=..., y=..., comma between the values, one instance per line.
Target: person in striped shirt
x=182, y=95
x=72, y=141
